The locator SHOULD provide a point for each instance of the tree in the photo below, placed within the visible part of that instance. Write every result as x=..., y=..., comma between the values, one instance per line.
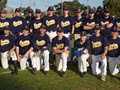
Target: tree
x=3, y=4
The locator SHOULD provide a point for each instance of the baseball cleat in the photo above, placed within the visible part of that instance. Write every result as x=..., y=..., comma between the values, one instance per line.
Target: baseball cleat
x=46, y=73
x=103, y=77
x=63, y=74
x=84, y=74
x=34, y=71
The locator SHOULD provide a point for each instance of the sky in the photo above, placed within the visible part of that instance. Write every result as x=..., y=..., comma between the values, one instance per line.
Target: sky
x=44, y=4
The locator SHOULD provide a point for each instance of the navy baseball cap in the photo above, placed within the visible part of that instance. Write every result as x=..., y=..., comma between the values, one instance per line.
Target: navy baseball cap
x=26, y=28
x=79, y=11
x=30, y=11
x=59, y=30
x=106, y=10
x=97, y=27
x=7, y=28
x=43, y=26
x=115, y=29
x=38, y=11
x=50, y=8
x=17, y=10
x=66, y=8
x=83, y=33
x=3, y=11
x=91, y=11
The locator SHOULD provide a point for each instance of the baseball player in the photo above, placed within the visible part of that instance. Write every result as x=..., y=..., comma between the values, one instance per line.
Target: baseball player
x=4, y=21
x=7, y=47
x=36, y=23
x=89, y=23
x=114, y=52
x=24, y=48
x=99, y=48
x=51, y=22
x=67, y=24
x=106, y=23
x=78, y=24
x=60, y=46
x=41, y=45
x=99, y=14
x=30, y=17
x=17, y=23
x=82, y=47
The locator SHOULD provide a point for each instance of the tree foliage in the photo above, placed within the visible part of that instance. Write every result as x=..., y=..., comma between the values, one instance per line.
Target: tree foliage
x=3, y=4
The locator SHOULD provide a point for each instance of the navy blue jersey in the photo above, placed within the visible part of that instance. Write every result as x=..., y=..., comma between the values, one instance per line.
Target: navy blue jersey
x=35, y=25
x=51, y=22
x=117, y=22
x=98, y=44
x=29, y=20
x=114, y=47
x=4, y=23
x=60, y=44
x=40, y=41
x=6, y=42
x=104, y=22
x=79, y=46
x=89, y=21
x=66, y=23
x=24, y=43
x=78, y=25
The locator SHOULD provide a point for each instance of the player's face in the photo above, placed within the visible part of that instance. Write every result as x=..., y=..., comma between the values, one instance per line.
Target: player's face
x=114, y=34
x=66, y=12
x=91, y=15
x=17, y=13
x=50, y=12
x=59, y=34
x=83, y=38
x=38, y=14
x=97, y=31
x=3, y=15
x=42, y=31
x=79, y=14
x=25, y=32
x=6, y=32
x=106, y=14
x=30, y=14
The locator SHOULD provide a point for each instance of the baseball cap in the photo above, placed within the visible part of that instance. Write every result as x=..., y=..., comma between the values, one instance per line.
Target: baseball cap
x=38, y=11
x=91, y=11
x=79, y=10
x=50, y=8
x=66, y=8
x=83, y=33
x=106, y=10
x=114, y=29
x=17, y=10
x=30, y=11
x=97, y=27
x=7, y=28
x=26, y=28
x=59, y=30
x=3, y=11
x=43, y=26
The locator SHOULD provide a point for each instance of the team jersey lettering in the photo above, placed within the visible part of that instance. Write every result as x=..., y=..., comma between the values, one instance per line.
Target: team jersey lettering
x=15, y=24
x=118, y=23
x=4, y=24
x=49, y=23
x=113, y=46
x=36, y=26
x=81, y=48
x=4, y=42
x=40, y=43
x=60, y=46
x=92, y=23
x=77, y=25
x=24, y=43
x=64, y=24
x=96, y=44
x=104, y=23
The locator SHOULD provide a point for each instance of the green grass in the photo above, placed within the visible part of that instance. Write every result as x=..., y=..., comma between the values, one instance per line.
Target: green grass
x=25, y=80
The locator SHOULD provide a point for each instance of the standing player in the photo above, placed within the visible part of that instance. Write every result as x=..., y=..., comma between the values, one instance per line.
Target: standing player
x=4, y=21
x=7, y=47
x=51, y=22
x=60, y=46
x=24, y=48
x=36, y=23
x=17, y=23
x=41, y=45
x=78, y=24
x=82, y=47
x=106, y=23
x=114, y=52
x=67, y=24
x=99, y=48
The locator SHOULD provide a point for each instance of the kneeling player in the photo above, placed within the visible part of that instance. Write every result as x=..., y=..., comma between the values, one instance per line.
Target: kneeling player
x=41, y=45
x=114, y=52
x=60, y=46
x=7, y=47
x=82, y=46
x=99, y=48
x=24, y=48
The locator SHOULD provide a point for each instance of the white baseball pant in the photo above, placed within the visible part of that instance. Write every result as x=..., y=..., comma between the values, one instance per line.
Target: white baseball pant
x=61, y=61
x=95, y=65
x=23, y=60
x=51, y=35
x=82, y=62
x=113, y=62
x=36, y=61
x=5, y=56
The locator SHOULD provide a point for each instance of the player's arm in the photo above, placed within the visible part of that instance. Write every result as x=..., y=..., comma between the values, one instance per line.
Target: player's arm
x=65, y=50
x=88, y=27
x=109, y=25
x=105, y=52
x=26, y=54
x=55, y=50
x=73, y=29
x=12, y=49
x=17, y=52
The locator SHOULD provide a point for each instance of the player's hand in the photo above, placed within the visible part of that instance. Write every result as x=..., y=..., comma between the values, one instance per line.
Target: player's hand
x=74, y=58
x=38, y=53
x=108, y=26
x=103, y=56
x=26, y=55
x=71, y=36
x=18, y=58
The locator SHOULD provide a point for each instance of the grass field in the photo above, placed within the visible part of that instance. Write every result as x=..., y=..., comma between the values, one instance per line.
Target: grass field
x=25, y=80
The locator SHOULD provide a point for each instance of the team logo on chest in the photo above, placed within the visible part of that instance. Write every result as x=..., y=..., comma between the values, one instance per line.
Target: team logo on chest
x=36, y=26
x=4, y=24
x=17, y=23
x=92, y=23
x=77, y=25
x=113, y=46
x=104, y=23
x=118, y=24
x=40, y=43
x=60, y=46
x=64, y=24
x=49, y=23
x=24, y=43
x=4, y=42
x=96, y=44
